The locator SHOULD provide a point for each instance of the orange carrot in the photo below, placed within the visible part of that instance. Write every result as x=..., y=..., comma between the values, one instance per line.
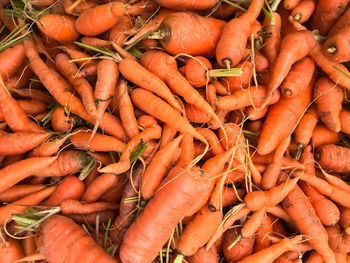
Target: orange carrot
x=18, y=191
x=272, y=26
x=323, y=135
x=340, y=23
x=290, y=4
x=339, y=242
x=11, y=59
x=196, y=71
x=196, y=115
x=121, y=30
x=188, y=5
x=262, y=237
x=231, y=46
x=336, y=181
x=187, y=182
x=333, y=157
x=30, y=107
x=187, y=32
x=204, y=256
x=70, y=188
x=298, y=77
x=10, y=249
x=70, y=206
x=303, y=11
x=168, y=134
x=344, y=117
x=241, y=249
x=236, y=83
x=329, y=98
x=48, y=148
x=214, y=143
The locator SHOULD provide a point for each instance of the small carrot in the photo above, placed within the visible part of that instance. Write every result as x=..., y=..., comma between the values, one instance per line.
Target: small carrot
x=328, y=97
x=236, y=83
x=272, y=26
x=298, y=77
x=188, y=150
x=262, y=237
x=18, y=191
x=333, y=157
x=120, y=31
x=196, y=115
x=48, y=148
x=303, y=11
x=10, y=249
x=336, y=181
x=241, y=249
x=70, y=206
x=323, y=135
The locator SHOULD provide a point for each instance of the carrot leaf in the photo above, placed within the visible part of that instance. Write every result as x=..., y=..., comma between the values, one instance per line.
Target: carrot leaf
x=19, y=34
x=105, y=51
x=232, y=72
x=139, y=149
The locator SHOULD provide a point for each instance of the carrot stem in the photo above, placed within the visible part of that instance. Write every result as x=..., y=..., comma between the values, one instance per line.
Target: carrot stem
x=138, y=40
x=232, y=72
x=237, y=239
x=160, y=34
x=275, y=4
x=87, y=169
x=105, y=51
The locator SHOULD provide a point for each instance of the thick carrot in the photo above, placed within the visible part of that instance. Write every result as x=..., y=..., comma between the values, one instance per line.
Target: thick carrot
x=294, y=47
x=323, y=135
x=48, y=148
x=246, y=97
x=58, y=27
x=241, y=249
x=328, y=97
x=339, y=242
x=12, y=174
x=126, y=110
x=263, y=234
x=335, y=46
x=81, y=85
x=204, y=256
x=100, y=142
x=187, y=5
x=282, y=119
x=70, y=206
x=196, y=71
x=298, y=77
x=330, y=67
x=333, y=157
x=155, y=171
x=10, y=249
x=137, y=74
x=18, y=191
x=340, y=23
x=20, y=142
x=236, y=83
x=308, y=222
x=303, y=11
x=196, y=115
x=68, y=162
x=185, y=185
x=256, y=200
x=20, y=205
x=120, y=32
x=70, y=188
x=303, y=132
x=68, y=238
x=11, y=59
x=326, y=14
x=187, y=32
x=158, y=108
x=272, y=26
x=344, y=117
x=231, y=46
x=272, y=171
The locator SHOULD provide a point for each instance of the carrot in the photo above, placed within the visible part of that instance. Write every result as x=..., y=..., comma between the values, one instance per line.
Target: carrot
x=189, y=184
x=54, y=83
x=272, y=26
x=294, y=47
x=20, y=142
x=328, y=97
x=345, y=219
x=303, y=132
x=263, y=233
x=126, y=110
x=20, y=205
x=231, y=46
x=30, y=107
x=147, y=80
x=336, y=181
x=175, y=36
x=152, y=25
x=282, y=119
x=10, y=159
x=19, y=79
x=103, y=217
x=196, y=115
x=61, y=121
x=188, y=150
x=308, y=222
x=335, y=46
x=340, y=23
x=100, y=142
x=168, y=134
x=10, y=108
x=231, y=195
x=256, y=200
x=155, y=171
x=115, y=192
x=18, y=191
x=70, y=206
x=107, y=77
x=120, y=31
x=188, y=5
x=290, y=4
x=11, y=59
x=153, y=132
x=12, y=174
x=266, y=159
x=156, y=107
x=236, y=83
x=272, y=171
x=28, y=244
x=246, y=97
x=339, y=242
x=33, y=94
x=331, y=68
x=70, y=188
x=326, y=14
x=113, y=126
x=333, y=157
x=298, y=77
x=314, y=258
x=204, y=256
x=58, y=27
x=68, y=162
x=303, y=11
x=10, y=250
x=197, y=71
x=241, y=249
x=323, y=135
x=344, y=117
x=77, y=7
x=65, y=231
x=214, y=143
x=81, y=85
x=48, y=148
x=32, y=257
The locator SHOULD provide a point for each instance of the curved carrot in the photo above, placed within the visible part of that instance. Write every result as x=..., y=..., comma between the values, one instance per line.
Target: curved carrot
x=323, y=135
x=58, y=27
x=187, y=147
x=70, y=188
x=48, y=148
x=272, y=43
x=328, y=97
x=231, y=46
x=214, y=143
x=18, y=191
x=168, y=133
x=11, y=59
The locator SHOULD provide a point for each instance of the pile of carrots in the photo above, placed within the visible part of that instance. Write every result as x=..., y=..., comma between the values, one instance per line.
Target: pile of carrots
x=199, y=131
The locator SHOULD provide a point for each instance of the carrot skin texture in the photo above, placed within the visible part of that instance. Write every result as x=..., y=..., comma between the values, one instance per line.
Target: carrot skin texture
x=141, y=244
x=69, y=237
x=323, y=135
x=10, y=250
x=18, y=191
x=241, y=249
x=187, y=5
x=204, y=256
x=308, y=222
x=334, y=158
x=70, y=188
x=180, y=39
x=11, y=59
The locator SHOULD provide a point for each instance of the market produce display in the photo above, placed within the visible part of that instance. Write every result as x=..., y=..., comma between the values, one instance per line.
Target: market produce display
x=169, y=131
